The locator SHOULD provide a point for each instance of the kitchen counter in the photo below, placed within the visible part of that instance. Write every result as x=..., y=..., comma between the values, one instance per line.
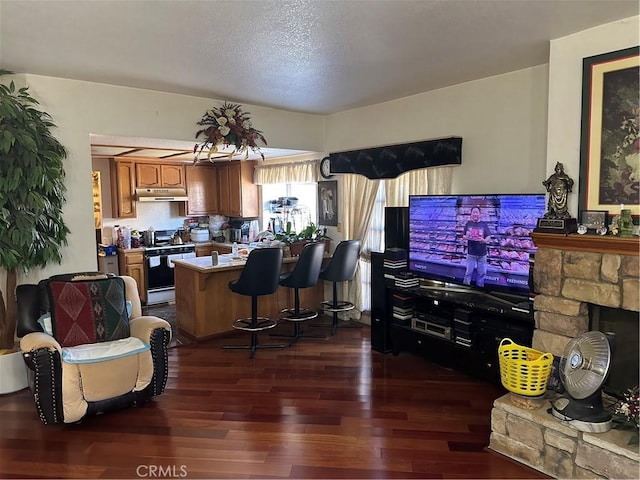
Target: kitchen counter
x=204, y=264
x=226, y=261
x=206, y=307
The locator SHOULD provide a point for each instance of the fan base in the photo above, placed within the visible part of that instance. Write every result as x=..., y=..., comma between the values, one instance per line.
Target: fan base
x=581, y=415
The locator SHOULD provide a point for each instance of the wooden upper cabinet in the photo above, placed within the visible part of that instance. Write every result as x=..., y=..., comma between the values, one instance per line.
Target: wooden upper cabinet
x=123, y=186
x=202, y=191
x=172, y=176
x=238, y=195
x=151, y=175
x=224, y=206
x=147, y=175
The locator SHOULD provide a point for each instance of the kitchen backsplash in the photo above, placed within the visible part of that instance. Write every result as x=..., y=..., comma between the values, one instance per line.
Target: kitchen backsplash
x=159, y=215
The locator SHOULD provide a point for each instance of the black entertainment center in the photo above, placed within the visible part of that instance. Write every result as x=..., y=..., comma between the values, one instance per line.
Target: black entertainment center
x=458, y=326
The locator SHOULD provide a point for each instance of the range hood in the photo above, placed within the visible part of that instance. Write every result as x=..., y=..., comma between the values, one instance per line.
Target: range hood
x=161, y=195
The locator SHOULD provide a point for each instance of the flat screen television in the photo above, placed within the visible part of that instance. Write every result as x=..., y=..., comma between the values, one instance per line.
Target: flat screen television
x=478, y=242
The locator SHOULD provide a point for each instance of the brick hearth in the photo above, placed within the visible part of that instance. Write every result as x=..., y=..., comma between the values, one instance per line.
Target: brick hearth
x=570, y=273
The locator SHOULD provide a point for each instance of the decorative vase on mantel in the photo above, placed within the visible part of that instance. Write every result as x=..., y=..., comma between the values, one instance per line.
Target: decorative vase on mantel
x=625, y=223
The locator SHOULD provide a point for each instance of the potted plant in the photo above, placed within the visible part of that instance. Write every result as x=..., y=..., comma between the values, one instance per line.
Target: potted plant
x=32, y=193
x=311, y=233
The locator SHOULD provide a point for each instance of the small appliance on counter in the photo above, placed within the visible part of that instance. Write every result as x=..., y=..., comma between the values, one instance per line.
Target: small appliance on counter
x=236, y=234
x=177, y=239
x=244, y=232
x=200, y=234
x=149, y=237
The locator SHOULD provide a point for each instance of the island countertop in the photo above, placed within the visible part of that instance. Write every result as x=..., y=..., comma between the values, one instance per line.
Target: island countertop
x=226, y=261
x=205, y=306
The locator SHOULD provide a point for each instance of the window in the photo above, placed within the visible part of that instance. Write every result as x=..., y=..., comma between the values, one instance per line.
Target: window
x=300, y=214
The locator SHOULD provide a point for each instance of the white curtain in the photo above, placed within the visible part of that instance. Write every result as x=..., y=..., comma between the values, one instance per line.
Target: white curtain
x=396, y=191
x=291, y=172
x=360, y=194
x=432, y=181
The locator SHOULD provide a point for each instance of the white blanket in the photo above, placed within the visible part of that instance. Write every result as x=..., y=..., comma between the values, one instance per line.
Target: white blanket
x=103, y=351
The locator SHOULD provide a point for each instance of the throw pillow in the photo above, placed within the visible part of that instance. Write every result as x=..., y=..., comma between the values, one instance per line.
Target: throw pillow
x=88, y=311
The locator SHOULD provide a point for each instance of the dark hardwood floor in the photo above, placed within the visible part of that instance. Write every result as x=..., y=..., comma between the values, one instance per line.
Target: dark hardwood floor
x=328, y=408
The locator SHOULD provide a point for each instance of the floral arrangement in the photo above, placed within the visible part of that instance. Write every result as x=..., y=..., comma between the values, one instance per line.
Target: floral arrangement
x=229, y=126
x=626, y=413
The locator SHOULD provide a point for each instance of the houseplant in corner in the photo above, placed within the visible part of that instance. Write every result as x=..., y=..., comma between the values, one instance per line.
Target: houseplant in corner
x=32, y=193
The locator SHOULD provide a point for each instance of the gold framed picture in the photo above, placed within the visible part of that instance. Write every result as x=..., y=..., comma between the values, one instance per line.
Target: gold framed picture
x=609, y=156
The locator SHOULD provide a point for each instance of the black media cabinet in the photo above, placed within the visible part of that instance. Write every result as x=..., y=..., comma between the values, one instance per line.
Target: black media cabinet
x=453, y=327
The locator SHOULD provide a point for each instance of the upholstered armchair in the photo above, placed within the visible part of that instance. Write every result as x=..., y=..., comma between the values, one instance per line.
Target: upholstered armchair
x=87, y=346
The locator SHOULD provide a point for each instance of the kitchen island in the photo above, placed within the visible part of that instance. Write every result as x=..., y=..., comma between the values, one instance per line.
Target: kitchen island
x=206, y=307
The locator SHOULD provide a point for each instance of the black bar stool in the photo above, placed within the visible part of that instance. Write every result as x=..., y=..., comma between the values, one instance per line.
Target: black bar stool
x=341, y=268
x=259, y=276
x=304, y=275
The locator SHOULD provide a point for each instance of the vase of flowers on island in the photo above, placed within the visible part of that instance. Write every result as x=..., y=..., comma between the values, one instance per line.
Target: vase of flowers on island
x=228, y=126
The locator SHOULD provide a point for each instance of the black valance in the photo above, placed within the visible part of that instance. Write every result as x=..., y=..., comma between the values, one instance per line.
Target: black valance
x=393, y=160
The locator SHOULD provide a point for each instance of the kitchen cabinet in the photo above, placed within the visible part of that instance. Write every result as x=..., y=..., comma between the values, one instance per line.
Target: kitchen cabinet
x=204, y=249
x=131, y=263
x=150, y=175
x=238, y=195
x=123, y=186
x=222, y=249
x=202, y=191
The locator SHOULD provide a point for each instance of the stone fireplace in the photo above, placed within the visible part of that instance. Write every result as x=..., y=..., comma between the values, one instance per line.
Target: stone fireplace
x=571, y=273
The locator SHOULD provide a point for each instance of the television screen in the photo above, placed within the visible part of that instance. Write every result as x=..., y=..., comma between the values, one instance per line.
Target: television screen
x=483, y=241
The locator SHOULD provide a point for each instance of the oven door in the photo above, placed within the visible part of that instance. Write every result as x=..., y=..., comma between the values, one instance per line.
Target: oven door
x=160, y=280
x=159, y=274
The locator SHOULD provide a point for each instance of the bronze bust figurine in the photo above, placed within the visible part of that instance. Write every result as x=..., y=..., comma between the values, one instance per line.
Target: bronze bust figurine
x=559, y=185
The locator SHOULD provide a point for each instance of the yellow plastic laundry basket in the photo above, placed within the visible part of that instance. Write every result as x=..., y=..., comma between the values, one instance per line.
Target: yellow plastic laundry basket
x=523, y=370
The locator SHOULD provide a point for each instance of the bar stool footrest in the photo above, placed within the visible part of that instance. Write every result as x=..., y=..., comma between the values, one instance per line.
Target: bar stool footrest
x=341, y=306
x=290, y=315
x=248, y=325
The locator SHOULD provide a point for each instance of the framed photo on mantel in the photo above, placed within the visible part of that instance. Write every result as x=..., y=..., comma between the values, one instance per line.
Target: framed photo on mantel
x=609, y=145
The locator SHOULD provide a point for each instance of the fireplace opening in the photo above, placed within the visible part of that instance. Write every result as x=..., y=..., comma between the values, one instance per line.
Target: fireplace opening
x=624, y=325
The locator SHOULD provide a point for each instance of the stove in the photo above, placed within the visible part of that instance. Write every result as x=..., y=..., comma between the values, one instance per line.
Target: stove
x=169, y=249
x=159, y=267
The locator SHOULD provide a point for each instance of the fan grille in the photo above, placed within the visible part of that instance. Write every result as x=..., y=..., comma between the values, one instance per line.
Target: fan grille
x=585, y=364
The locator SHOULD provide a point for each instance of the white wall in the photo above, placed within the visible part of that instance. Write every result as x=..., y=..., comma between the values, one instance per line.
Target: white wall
x=565, y=90
x=501, y=119
x=83, y=108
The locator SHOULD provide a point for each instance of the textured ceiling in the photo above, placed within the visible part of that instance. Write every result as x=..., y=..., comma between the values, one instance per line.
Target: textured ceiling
x=303, y=55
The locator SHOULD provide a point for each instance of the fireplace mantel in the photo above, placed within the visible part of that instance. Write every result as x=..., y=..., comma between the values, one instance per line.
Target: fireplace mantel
x=588, y=243
x=572, y=273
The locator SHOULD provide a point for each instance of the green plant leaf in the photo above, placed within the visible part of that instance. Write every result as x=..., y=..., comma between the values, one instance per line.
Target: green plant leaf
x=32, y=188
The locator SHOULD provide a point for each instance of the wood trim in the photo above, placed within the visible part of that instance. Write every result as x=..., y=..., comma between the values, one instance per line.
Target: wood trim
x=588, y=243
